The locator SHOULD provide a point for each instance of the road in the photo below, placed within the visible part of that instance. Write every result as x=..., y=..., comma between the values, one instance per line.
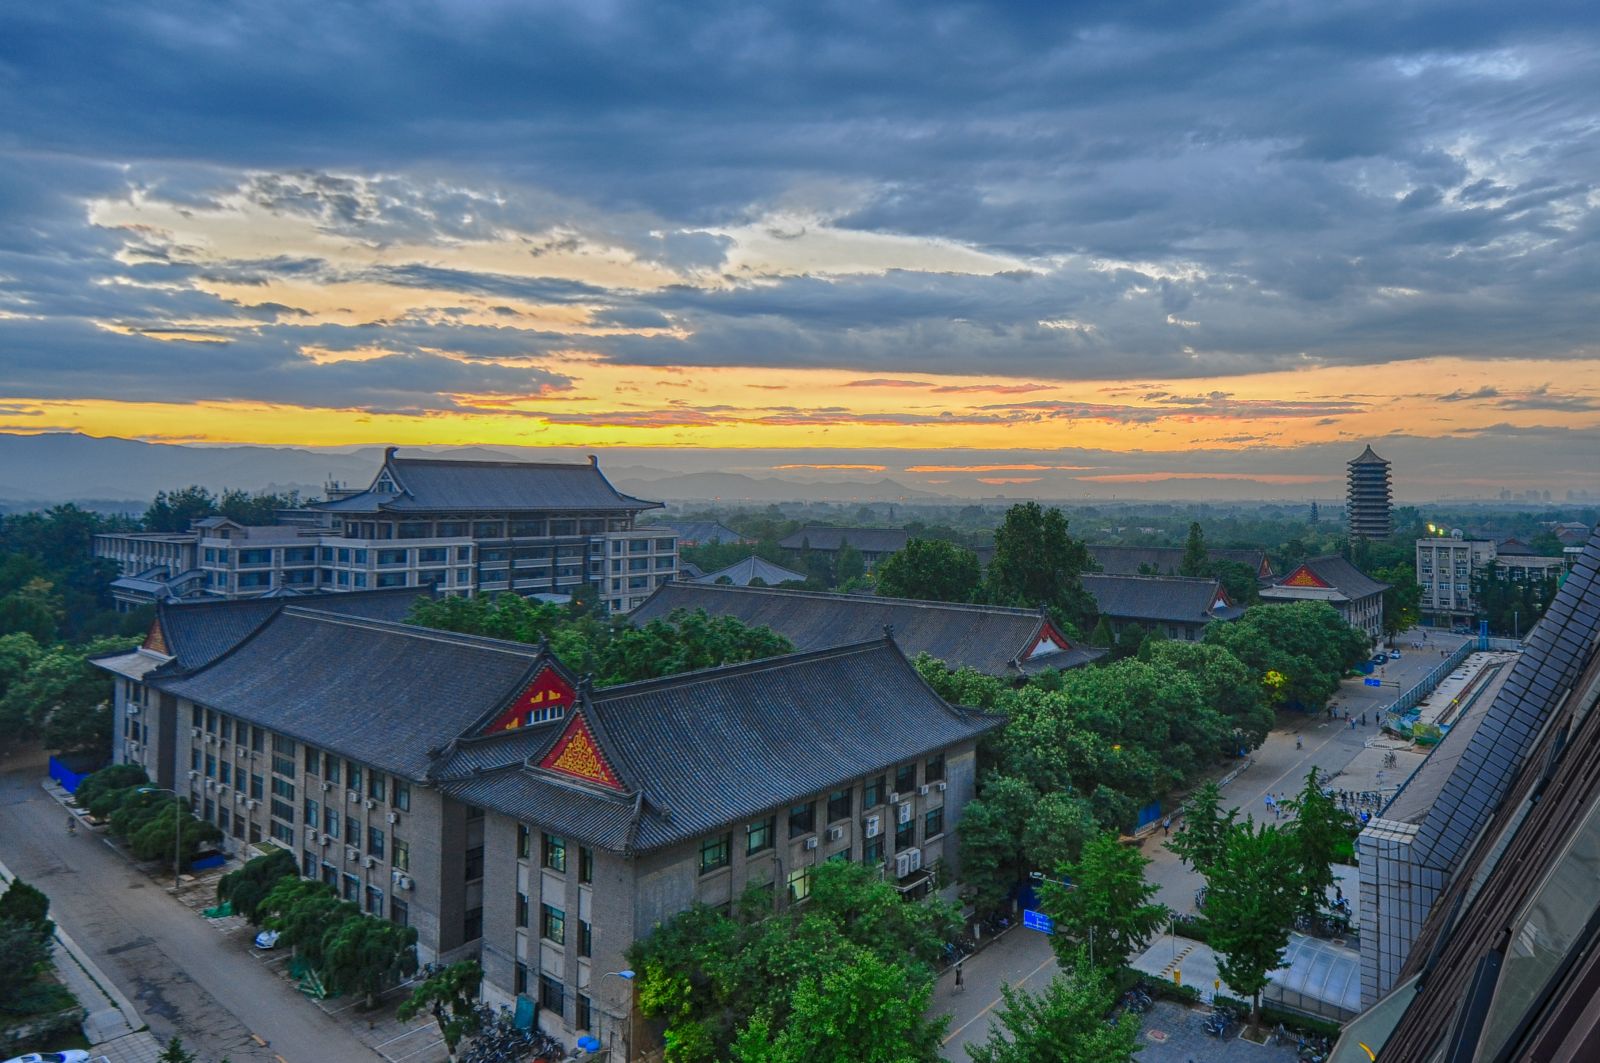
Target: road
x=182, y=975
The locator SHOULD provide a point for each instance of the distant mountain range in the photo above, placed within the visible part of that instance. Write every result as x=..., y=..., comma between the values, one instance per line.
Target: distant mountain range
x=60, y=467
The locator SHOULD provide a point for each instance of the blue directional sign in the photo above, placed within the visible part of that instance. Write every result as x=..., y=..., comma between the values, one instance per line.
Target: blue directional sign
x=1038, y=921
x=1373, y=682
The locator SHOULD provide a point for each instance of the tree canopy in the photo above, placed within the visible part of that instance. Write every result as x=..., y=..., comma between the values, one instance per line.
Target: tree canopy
x=1305, y=642
x=1105, y=904
x=1037, y=563
x=930, y=569
x=1250, y=901
x=1063, y=1024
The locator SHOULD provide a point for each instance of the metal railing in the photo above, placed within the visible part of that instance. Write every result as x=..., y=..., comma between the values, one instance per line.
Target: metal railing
x=1394, y=716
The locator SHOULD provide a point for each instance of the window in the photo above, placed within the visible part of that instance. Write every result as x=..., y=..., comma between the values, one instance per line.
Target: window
x=374, y=842
x=283, y=788
x=872, y=851
x=839, y=805
x=554, y=852
x=585, y=864
x=401, y=798
x=283, y=810
x=352, y=831
x=226, y=728
x=282, y=832
x=905, y=778
x=313, y=760
x=584, y=1014
x=802, y=819
x=282, y=765
x=353, y=770
x=524, y=842
x=258, y=787
x=330, y=769
x=211, y=765
x=874, y=793
x=374, y=901
x=519, y=984
x=376, y=786
x=905, y=835
x=330, y=822
x=585, y=938
x=225, y=773
x=522, y=909
x=211, y=720
x=552, y=924
x=255, y=833
x=194, y=758
x=197, y=716
x=552, y=995
x=258, y=739
x=935, y=769
x=399, y=912
x=472, y=924
x=716, y=853
x=402, y=855
x=759, y=836
x=799, y=884
x=308, y=864
x=933, y=822
x=313, y=814
x=352, y=887
x=474, y=868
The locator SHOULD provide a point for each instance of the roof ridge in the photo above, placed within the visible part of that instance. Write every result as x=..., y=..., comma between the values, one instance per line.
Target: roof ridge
x=1153, y=575
x=499, y=462
x=717, y=671
x=796, y=592
x=433, y=634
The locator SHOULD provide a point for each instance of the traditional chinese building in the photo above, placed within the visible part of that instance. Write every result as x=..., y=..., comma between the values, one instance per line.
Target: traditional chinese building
x=1176, y=606
x=1357, y=597
x=476, y=790
x=995, y=640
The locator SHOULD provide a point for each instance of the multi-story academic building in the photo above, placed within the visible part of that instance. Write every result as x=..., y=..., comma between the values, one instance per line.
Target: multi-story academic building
x=460, y=526
x=474, y=789
x=1448, y=565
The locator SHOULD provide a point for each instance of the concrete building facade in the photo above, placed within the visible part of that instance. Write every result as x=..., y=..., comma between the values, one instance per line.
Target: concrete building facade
x=1447, y=567
x=1357, y=597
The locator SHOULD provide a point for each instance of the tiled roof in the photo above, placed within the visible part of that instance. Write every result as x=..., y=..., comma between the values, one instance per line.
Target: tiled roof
x=741, y=573
x=1165, y=560
x=444, y=485
x=1344, y=577
x=786, y=728
x=701, y=531
x=1167, y=598
x=1538, y=806
x=867, y=540
x=1367, y=457
x=378, y=692
x=988, y=638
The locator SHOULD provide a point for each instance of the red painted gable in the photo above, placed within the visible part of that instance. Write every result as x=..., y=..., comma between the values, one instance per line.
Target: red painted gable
x=546, y=690
x=1303, y=577
x=577, y=754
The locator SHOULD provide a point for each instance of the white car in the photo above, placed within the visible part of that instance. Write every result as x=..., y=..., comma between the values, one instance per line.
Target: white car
x=267, y=939
x=1394, y=655
x=71, y=1055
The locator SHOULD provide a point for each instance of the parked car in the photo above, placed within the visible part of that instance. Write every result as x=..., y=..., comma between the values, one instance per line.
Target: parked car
x=267, y=939
x=1394, y=655
x=71, y=1055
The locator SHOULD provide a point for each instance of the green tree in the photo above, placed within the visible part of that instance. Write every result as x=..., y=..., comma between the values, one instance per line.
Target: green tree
x=1129, y=639
x=450, y=995
x=24, y=952
x=859, y=1009
x=305, y=913
x=1037, y=563
x=1011, y=830
x=249, y=885
x=1196, y=561
x=33, y=609
x=175, y=511
x=1250, y=902
x=367, y=955
x=175, y=1052
x=1226, y=683
x=1402, y=602
x=25, y=905
x=1319, y=831
x=1101, y=635
x=1064, y=1024
x=1306, y=642
x=115, y=779
x=64, y=698
x=1206, y=828
x=1106, y=905
x=932, y=570
x=848, y=565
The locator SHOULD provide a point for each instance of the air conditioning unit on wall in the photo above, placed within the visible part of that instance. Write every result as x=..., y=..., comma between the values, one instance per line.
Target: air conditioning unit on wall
x=904, y=814
x=874, y=826
x=811, y=843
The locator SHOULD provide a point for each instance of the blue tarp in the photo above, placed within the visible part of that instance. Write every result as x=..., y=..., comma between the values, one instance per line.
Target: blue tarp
x=70, y=771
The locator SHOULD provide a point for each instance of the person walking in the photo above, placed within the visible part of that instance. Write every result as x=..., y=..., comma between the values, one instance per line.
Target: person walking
x=1166, y=826
x=960, y=976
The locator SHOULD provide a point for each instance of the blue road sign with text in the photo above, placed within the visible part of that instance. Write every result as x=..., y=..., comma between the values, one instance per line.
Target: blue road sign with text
x=1373, y=682
x=1038, y=921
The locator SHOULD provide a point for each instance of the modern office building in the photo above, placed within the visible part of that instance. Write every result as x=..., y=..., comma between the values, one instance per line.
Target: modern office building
x=478, y=791
x=1369, y=497
x=1485, y=915
x=462, y=526
x=1357, y=597
x=1448, y=566
x=993, y=639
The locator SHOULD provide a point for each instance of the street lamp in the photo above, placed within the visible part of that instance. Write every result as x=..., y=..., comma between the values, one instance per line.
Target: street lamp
x=627, y=1037
x=177, y=829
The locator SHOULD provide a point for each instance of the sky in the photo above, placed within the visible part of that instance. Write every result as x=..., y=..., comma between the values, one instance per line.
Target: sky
x=1191, y=240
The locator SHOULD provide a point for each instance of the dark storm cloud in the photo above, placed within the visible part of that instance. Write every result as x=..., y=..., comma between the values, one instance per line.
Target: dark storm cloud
x=1195, y=189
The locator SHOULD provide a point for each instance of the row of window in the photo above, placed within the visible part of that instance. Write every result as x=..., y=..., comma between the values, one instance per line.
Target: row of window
x=553, y=850
x=480, y=529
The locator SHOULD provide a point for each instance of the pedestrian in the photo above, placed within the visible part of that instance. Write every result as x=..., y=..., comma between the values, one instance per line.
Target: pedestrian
x=1166, y=826
x=960, y=975
x=1352, y=723
x=1338, y=892
x=1297, y=741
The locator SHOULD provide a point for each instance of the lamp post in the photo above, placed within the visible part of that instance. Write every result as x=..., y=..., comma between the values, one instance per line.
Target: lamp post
x=177, y=829
x=627, y=1037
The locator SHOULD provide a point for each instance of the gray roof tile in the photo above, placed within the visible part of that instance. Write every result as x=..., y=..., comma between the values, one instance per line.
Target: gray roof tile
x=444, y=485
x=1165, y=598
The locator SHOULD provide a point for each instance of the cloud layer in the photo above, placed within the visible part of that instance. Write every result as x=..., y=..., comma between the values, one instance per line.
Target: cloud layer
x=431, y=208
